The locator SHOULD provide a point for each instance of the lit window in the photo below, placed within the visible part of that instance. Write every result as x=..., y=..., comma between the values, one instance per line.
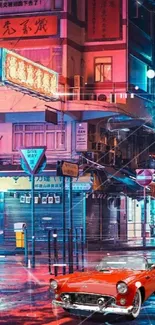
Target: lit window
x=103, y=69
x=58, y=4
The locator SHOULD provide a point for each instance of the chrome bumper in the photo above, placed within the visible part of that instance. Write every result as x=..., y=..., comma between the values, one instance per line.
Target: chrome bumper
x=114, y=309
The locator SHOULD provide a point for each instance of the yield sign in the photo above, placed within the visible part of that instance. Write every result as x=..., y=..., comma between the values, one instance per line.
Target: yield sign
x=32, y=157
x=144, y=176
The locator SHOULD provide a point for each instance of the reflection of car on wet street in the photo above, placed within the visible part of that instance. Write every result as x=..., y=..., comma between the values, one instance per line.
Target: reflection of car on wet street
x=119, y=285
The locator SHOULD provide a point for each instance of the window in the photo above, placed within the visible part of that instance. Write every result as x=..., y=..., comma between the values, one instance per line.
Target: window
x=51, y=58
x=58, y=4
x=39, y=134
x=50, y=140
x=103, y=69
x=57, y=59
x=138, y=73
x=38, y=55
x=140, y=15
x=74, y=8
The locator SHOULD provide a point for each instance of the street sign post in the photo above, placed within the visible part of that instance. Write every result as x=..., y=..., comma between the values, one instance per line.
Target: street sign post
x=32, y=159
x=68, y=169
x=144, y=177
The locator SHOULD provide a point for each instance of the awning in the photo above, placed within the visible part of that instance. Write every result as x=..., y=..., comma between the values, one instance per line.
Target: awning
x=122, y=178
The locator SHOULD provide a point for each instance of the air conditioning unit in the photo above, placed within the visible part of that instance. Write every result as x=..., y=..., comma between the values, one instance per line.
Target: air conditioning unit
x=76, y=93
x=78, y=81
x=113, y=98
x=102, y=97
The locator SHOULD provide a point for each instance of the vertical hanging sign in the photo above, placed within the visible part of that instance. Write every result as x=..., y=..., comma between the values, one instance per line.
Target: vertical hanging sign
x=82, y=136
x=104, y=20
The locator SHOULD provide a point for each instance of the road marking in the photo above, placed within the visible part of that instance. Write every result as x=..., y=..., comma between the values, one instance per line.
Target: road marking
x=59, y=264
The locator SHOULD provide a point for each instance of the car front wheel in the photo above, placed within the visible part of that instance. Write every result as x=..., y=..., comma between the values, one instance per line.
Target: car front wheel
x=137, y=303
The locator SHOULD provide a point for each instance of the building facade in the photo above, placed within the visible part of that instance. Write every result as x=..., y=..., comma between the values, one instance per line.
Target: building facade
x=102, y=52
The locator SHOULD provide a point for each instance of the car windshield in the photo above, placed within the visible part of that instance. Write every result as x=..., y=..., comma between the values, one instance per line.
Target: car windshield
x=122, y=262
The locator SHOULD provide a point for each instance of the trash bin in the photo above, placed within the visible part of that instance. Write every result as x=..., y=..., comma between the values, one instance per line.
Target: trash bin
x=19, y=230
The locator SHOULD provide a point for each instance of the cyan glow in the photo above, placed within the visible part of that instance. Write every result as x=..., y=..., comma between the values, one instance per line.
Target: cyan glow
x=138, y=73
x=32, y=156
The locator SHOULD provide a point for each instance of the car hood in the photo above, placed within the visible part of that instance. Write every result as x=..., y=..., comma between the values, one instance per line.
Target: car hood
x=98, y=282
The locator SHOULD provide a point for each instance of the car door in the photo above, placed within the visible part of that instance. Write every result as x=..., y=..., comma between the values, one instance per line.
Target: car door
x=149, y=282
x=152, y=276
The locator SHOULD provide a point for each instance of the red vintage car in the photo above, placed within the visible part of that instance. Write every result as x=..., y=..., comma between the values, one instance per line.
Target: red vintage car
x=119, y=285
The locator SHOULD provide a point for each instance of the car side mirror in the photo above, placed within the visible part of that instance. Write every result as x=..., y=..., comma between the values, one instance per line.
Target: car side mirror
x=153, y=267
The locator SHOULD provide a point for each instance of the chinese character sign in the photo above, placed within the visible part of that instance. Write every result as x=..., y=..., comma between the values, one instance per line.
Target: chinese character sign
x=26, y=74
x=28, y=26
x=81, y=136
x=16, y=6
x=104, y=20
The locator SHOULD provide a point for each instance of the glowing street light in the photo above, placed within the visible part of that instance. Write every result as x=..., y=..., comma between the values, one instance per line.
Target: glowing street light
x=150, y=74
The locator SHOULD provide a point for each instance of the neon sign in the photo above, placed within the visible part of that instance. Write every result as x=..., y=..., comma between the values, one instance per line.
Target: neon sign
x=27, y=76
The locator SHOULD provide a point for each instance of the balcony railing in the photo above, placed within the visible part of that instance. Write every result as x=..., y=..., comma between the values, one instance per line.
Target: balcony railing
x=14, y=159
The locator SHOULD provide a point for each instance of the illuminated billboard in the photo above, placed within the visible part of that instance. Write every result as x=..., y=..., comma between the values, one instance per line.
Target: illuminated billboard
x=27, y=76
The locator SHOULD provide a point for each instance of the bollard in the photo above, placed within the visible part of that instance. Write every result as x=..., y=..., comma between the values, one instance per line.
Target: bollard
x=55, y=252
x=82, y=248
x=25, y=245
x=76, y=249
x=49, y=252
x=29, y=264
x=70, y=251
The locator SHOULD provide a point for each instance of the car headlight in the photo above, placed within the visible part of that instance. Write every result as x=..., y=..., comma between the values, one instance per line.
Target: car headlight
x=53, y=284
x=122, y=287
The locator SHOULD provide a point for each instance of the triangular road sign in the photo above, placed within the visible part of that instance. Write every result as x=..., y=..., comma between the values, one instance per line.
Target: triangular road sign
x=32, y=157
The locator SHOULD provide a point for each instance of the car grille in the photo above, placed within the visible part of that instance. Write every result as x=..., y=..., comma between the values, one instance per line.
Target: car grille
x=89, y=299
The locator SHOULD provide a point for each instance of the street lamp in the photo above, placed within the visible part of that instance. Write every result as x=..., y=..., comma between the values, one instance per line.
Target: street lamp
x=150, y=74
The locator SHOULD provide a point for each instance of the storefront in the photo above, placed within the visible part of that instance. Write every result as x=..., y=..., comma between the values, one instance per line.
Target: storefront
x=15, y=204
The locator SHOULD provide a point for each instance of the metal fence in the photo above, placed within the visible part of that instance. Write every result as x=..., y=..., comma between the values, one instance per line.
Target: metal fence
x=65, y=255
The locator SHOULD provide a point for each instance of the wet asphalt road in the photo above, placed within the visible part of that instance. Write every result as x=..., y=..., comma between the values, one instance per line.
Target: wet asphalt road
x=25, y=299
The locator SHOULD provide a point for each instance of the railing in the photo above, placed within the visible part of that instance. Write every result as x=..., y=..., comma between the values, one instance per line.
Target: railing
x=68, y=254
x=14, y=159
